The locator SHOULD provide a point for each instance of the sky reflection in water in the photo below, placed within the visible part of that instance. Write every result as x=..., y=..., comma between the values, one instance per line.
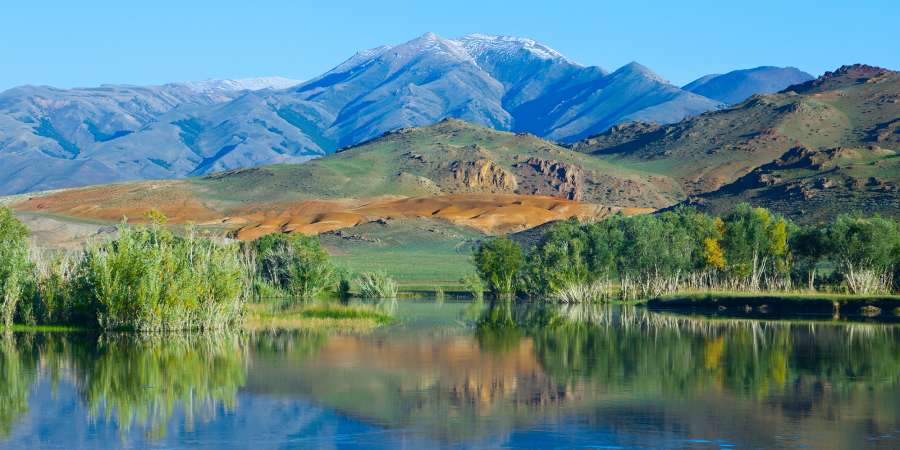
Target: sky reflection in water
x=460, y=375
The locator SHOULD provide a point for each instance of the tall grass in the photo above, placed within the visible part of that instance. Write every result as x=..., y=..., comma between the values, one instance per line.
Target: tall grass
x=376, y=285
x=53, y=300
x=589, y=292
x=150, y=280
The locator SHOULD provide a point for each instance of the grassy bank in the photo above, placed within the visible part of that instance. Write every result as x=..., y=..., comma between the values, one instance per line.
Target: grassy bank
x=320, y=316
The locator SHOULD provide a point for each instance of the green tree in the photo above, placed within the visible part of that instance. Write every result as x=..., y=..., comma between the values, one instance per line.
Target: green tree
x=15, y=266
x=295, y=263
x=809, y=246
x=865, y=250
x=561, y=258
x=756, y=244
x=498, y=261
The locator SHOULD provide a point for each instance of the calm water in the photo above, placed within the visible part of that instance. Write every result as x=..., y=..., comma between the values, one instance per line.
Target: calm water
x=460, y=375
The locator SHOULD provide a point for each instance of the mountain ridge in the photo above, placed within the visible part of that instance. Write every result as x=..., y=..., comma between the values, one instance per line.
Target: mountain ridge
x=117, y=133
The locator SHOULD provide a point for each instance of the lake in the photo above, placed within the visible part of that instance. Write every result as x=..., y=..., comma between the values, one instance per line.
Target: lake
x=464, y=375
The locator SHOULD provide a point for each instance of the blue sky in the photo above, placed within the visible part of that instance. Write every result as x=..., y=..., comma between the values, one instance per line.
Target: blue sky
x=86, y=43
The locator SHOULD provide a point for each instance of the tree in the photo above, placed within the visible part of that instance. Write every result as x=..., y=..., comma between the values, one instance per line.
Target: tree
x=295, y=263
x=756, y=244
x=558, y=260
x=15, y=266
x=865, y=250
x=497, y=262
x=809, y=246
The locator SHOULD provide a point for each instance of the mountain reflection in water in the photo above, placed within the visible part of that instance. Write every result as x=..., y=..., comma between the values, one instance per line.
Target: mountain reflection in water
x=462, y=374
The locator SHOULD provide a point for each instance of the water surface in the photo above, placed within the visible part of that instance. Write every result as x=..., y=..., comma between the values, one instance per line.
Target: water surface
x=463, y=375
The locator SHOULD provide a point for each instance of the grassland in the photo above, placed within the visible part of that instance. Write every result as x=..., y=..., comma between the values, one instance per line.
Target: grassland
x=420, y=254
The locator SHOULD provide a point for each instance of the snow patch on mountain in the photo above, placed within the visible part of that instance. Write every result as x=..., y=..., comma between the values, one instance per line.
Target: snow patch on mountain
x=477, y=44
x=243, y=84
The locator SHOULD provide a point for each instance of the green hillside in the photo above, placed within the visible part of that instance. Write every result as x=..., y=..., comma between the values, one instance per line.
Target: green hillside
x=823, y=147
x=447, y=158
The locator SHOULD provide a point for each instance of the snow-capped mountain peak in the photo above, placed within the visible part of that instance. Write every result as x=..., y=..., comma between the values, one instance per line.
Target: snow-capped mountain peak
x=478, y=44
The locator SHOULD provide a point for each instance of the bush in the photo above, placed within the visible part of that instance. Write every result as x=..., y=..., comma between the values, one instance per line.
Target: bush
x=295, y=263
x=474, y=285
x=498, y=262
x=54, y=300
x=15, y=267
x=150, y=280
x=376, y=285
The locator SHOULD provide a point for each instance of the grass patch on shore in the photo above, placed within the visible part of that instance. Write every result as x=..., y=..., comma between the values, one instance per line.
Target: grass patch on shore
x=317, y=317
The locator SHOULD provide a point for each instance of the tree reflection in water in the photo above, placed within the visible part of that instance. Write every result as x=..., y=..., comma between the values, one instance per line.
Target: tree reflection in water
x=513, y=366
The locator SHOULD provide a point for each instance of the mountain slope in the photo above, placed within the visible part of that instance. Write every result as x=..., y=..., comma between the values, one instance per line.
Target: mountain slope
x=52, y=138
x=631, y=93
x=736, y=86
x=450, y=157
x=183, y=129
x=819, y=148
x=454, y=171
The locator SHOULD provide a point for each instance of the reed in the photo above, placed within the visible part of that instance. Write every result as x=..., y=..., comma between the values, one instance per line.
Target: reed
x=150, y=280
x=376, y=285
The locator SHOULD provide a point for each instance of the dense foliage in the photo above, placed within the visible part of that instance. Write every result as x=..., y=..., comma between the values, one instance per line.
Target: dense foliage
x=497, y=262
x=294, y=264
x=748, y=249
x=147, y=279
x=15, y=268
x=150, y=279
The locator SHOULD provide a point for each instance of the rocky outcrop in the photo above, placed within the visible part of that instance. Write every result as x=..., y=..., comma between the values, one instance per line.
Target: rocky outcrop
x=564, y=179
x=842, y=77
x=482, y=175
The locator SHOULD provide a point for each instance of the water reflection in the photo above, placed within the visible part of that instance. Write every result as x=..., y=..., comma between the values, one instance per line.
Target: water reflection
x=505, y=374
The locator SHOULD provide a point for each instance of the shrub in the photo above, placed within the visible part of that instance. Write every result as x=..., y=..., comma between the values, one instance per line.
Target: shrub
x=474, y=285
x=344, y=283
x=149, y=280
x=294, y=263
x=498, y=262
x=376, y=285
x=15, y=266
x=55, y=301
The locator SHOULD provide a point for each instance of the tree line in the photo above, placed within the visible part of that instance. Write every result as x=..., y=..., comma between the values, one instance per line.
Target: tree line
x=746, y=249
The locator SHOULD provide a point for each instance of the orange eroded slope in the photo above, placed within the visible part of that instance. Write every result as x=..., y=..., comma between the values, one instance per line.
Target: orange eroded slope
x=490, y=213
x=117, y=201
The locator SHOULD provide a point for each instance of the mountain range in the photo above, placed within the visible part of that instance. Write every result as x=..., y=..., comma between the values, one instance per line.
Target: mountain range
x=812, y=151
x=53, y=138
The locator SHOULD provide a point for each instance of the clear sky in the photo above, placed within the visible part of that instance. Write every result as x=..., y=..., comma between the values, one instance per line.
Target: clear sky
x=88, y=42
